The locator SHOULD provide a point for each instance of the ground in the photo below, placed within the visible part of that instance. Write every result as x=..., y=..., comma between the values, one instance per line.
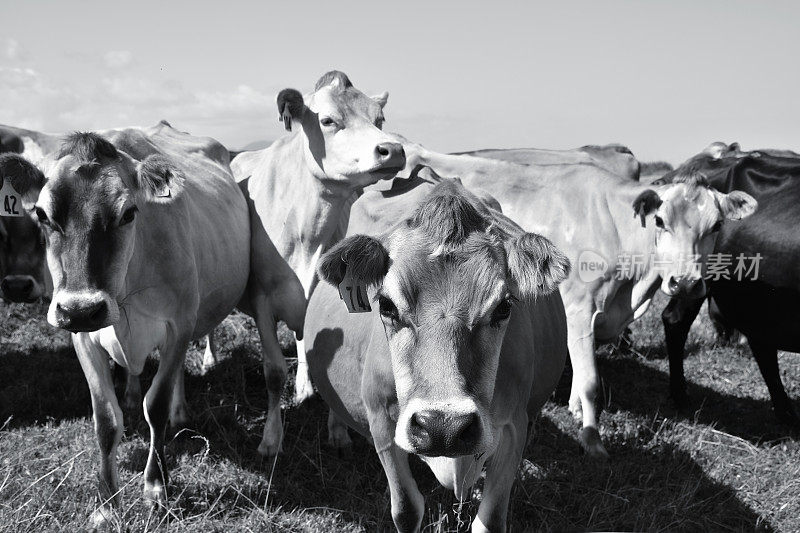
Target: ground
x=726, y=465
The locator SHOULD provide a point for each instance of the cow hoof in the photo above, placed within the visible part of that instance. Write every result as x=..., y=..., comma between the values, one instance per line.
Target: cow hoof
x=269, y=448
x=339, y=440
x=179, y=418
x=592, y=444
x=102, y=519
x=303, y=389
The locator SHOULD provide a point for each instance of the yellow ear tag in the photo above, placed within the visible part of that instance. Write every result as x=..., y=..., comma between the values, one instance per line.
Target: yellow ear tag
x=10, y=201
x=354, y=294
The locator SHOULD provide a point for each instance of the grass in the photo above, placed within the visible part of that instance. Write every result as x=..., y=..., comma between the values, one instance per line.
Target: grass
x=725, y=466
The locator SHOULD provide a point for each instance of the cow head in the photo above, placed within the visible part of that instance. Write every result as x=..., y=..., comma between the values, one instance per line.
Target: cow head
x=342, y=132
x=87, y=204
x=687, y=214
x=448, y=279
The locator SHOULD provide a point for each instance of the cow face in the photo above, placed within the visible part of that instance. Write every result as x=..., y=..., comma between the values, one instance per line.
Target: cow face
x=87, y=204
x=448, y=280
x=687, y=215
x=342, y=132
x=22, y=268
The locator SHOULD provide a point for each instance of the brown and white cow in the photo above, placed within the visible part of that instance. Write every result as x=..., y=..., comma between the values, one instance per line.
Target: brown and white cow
x=301, y=187
x=465, y=341
x=600, y=221
x=23, y=274
x=614, y=158
x=144, y=254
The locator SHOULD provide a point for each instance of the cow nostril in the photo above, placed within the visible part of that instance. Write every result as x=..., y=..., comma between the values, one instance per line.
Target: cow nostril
x=470, y=430
x=673, y=284
x=98, y=311
x=383, y=151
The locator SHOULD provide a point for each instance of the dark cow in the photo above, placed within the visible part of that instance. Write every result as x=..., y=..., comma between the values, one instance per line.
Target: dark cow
x=765, y=309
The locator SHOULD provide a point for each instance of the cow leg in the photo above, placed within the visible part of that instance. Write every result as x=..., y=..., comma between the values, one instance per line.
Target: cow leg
x=108, y=422
x=157, y=404
x=408, y=503
x=303, y=389
x=178, y=409
x=500, y=474
x=274, y=374
x=767, y=359
x=133, y=394
x=210, y=353
x=585, y=381
x=678, y=317
x=338, y=437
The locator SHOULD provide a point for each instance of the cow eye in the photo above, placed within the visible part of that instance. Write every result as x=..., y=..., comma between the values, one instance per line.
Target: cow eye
x=128, y=216
x=387, y=308
x=501, y=312
x=41, y=216
x=379, y=123
x=327, y=122
x=659, y=222
x=716, y=227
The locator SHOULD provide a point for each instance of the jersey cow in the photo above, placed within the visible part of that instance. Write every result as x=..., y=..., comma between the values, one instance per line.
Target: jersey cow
x=624, y=238
x=765, y=306
x=23, y=275
x=465, y=341
x=144, y=254
x=614, y=158
x=300, y=188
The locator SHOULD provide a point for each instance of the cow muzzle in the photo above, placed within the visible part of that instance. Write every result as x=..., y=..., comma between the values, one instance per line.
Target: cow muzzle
x=20, y=289
x=76, y=312
x=390, y=156
x=437, y=430
x=685, y=287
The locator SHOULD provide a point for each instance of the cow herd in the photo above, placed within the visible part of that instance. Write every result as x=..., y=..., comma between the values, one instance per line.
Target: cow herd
x=454, y=286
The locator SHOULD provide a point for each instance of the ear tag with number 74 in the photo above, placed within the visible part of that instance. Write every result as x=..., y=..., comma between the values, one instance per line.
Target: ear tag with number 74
x=10, y=201
x=354, y=294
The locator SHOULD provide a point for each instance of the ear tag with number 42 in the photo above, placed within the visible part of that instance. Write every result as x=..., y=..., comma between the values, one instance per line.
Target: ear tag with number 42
x=354, y=294
x=10, y=201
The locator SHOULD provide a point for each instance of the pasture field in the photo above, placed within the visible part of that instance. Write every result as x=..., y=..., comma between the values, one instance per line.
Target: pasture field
x=725, y=466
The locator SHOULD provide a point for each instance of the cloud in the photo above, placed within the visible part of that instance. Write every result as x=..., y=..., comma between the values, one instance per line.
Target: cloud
x=30, y=99
x=13, y=49
x=118, y=58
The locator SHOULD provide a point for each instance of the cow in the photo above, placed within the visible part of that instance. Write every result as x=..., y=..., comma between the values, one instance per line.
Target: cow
x=300, y=188
x=764, y=307
x=464, y=342
x=614, y=158
x=34, y=145
x=23, y=275
x=603, y=223
x=144, y=254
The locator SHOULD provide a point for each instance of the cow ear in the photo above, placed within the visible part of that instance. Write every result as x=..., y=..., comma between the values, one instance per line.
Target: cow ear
x=381, y=99
x=646, y=204
x=159, y=179
x=362, y=257
x=737, y=205
x=290, y=107
x=23, y=175
x=536, y=266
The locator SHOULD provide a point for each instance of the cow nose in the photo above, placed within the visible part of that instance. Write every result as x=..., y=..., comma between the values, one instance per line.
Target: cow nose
x=437, y=433
x=83, y=316
x=17, y=288
x=686, y=287
x=391, y=154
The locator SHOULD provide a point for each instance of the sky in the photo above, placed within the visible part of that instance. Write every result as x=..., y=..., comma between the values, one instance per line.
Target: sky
x=664, y=78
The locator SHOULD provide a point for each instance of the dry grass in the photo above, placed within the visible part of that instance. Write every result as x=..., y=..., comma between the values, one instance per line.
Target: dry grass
x=726, y=466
